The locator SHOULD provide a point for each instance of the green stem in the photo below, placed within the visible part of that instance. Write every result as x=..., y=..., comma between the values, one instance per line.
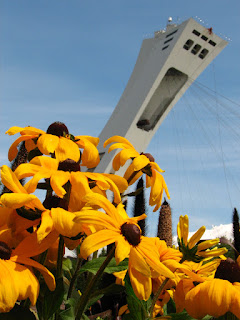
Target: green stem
x=86, y=295
x=155, y=298
x=74, y=277
x=60, y=257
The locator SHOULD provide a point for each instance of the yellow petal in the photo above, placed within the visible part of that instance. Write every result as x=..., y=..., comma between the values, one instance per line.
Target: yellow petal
x=16, y=200
x=47, y=143
x=63, y=222
x=24, y=131
x=31, y=185
x=96, y=218
x=129, y=174
x=207, y=244
x=47, y=275
x=67, y=149
x=96, y=241
x=10, y=180
x=94, y=199
x=46, y=226
x=8, y=287
x=13, y=150
x=117, y=139
x=30, y=247
x=137, y=261
x=31, y=131
x=90, y=156
x=149, y=251
x=80, y=187
x=116, y=162
x=155, y=166
x=58, y=180
x=122, y=249
x=142, y=285
x=82, y=138
x=26, y=281
x=140, y=162
x=196, y=237
x=45, y=162
x=26, y=170
x=13, y=130
x=118, y=180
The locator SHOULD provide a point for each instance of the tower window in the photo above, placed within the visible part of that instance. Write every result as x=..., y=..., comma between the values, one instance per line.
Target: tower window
x=204, y=38
x=196, y=32
x=212, y=43
x=203, y=53
x=168, y=40
x=165, y=47
x=170, y=34
x=196, y=49
x=188, y=44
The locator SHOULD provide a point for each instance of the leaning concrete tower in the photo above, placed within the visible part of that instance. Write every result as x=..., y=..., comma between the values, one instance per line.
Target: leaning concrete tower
x=166, y=66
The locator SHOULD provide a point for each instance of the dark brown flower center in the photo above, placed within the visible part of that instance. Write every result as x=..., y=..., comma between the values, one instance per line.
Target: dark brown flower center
x=69, y=165
x=57, y=129
x=5, y=251
x=55, y=202
x=149, y=156
x=228, y=270
x=131, y=232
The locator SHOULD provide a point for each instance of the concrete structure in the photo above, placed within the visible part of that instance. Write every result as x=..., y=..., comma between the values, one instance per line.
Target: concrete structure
x=166, y=66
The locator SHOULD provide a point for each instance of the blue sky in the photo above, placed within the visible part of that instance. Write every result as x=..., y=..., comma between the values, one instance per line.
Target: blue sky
x=70, y=61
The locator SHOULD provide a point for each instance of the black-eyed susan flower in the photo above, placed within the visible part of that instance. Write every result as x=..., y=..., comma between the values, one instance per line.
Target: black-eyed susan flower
x=58, y=142
x=191, y=249
x=215, y=297
x=17, y=280
x=20, y=211
x=117, y=227
x=59, y=173
x=141, y=163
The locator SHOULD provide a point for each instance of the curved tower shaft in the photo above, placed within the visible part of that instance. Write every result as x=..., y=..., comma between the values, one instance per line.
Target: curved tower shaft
x=166, y=66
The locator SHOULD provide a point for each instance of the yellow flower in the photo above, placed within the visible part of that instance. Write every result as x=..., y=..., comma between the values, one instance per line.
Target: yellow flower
x=57, y=141
x=191, y=249
x=124, y=231
x=214, y=297
x=68, y=170
x=17, y=280
x=141, y=163
x=53, y=216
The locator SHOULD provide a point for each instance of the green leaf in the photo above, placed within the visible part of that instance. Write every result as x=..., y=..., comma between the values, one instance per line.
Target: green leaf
x=18, y=312
x=171, y=307
x=180, y=316
x=137, y=308
x=112, y=289
x=69, y=312
x=51, y=300
x=93, y=266
x=67, y=265
x=92, y=300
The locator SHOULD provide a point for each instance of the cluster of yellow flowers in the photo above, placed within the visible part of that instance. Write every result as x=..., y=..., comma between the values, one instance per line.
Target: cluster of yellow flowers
x=76, y=212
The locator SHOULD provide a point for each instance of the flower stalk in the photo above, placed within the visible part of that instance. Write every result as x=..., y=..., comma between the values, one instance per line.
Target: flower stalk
x=155, y=298
x=86, y=295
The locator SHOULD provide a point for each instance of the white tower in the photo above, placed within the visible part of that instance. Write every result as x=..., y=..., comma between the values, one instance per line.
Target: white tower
x=166, y=66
